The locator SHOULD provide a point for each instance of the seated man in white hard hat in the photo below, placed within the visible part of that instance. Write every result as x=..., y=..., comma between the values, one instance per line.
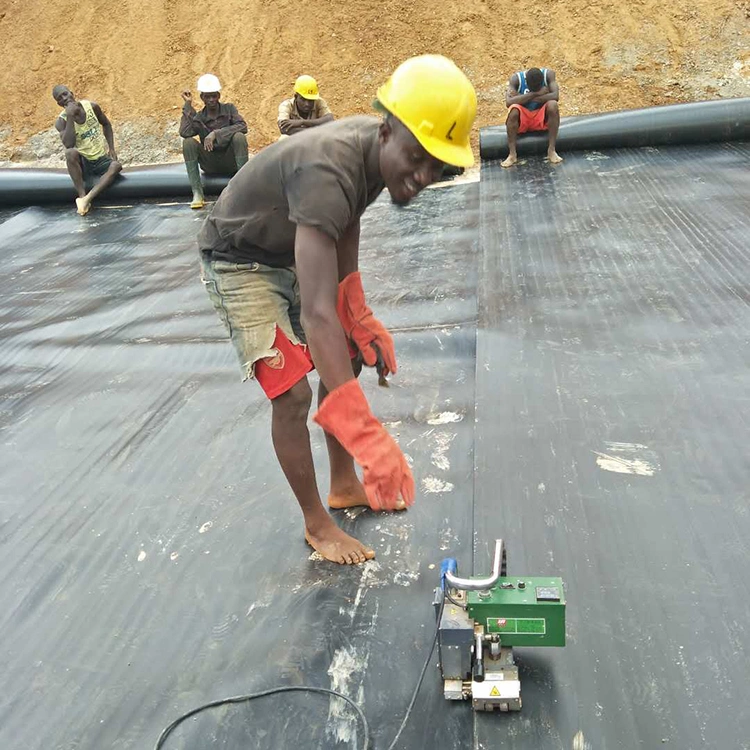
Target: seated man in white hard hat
x=222, y=148
x=279, y=260
x=86, y=133
x=306, y=109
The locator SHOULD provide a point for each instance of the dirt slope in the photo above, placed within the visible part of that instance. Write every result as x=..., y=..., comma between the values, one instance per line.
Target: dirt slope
x=134, y=57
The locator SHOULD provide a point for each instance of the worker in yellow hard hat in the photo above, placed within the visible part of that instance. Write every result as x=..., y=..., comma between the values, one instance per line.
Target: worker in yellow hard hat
x=306, y=109
x=279, y=259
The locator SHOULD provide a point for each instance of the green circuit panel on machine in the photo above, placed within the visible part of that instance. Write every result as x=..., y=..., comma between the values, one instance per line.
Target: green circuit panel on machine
x=523, y=611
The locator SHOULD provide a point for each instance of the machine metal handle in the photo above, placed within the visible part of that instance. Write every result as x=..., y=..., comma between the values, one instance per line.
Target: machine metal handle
x=478, y=672
x=479, y=584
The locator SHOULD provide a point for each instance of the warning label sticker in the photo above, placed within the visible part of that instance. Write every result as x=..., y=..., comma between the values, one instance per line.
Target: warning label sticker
x=494, y=690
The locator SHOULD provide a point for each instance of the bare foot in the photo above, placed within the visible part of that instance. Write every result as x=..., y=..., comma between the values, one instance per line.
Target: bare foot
x=353, y=496
x=337, y=546
x=553, y=157
x=510, y=161
x=83, y=206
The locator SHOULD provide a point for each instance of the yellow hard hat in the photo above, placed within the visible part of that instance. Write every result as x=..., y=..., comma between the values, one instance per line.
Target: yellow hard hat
x=437, y=103
x=306, y=87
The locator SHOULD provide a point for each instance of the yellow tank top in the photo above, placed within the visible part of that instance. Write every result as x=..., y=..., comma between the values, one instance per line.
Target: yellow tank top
x=90, y=140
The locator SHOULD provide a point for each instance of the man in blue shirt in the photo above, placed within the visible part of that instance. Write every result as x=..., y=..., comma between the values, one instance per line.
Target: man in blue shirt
x=532, y=102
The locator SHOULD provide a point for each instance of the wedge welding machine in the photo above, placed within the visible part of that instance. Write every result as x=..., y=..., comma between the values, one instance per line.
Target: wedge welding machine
x=482, y=619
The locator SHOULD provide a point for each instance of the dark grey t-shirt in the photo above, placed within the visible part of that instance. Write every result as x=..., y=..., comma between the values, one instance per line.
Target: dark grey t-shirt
x=324, y=177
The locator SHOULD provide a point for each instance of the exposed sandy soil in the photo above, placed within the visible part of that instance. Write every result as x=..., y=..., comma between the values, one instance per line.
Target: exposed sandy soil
x=135, y=57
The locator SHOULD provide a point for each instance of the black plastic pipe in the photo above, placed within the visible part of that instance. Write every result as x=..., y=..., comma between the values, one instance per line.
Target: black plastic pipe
x=41, y=186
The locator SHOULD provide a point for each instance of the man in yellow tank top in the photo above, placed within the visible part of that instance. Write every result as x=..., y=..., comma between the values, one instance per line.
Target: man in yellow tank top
x=89, y=142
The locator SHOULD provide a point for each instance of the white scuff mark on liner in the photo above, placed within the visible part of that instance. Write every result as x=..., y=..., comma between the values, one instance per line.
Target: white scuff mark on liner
x=405, y=577
x=447, y=539
x=434, y=486
x=352, y=513
x=442, y=442
x=369, y=579
x=627, y=458
x=347, y=662
x=445, y=417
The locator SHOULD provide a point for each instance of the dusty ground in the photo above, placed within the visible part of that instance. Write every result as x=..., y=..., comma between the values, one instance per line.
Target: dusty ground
x=134, y=58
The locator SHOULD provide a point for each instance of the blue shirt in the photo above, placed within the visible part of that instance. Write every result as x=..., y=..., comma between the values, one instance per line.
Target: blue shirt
x=523, y=88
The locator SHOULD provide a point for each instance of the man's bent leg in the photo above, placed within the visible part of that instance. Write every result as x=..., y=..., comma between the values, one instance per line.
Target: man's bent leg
x=191, y=151
x=84, y=204
x=553, y=125
x=346, y=489
x=511, y=125
x=75, y=170
x=239, y=149
x=291, y=441
x=219, y=162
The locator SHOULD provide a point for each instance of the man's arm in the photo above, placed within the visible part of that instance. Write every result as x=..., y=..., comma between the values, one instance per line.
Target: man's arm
x=513, y=97
x=66, y=127
x=282, y=118
x=345, y=413
x=318, y=274
x=290, y=127
x=294, y=125
x=348, y=251
x=237, y=124
x=188, y=127
x=318, y=121
x=67, y=134
x=552, y=92
x=107, y=128
x=287, y=126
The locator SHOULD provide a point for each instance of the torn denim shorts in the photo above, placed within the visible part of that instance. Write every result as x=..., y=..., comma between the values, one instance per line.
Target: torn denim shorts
x=252, y=300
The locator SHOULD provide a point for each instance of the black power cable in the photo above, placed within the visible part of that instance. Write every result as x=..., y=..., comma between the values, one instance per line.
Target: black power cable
x=262, y=694
x=305, y=689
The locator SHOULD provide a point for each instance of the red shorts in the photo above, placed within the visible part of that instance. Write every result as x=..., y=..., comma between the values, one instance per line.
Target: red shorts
x=277, y=375
x=531, y=119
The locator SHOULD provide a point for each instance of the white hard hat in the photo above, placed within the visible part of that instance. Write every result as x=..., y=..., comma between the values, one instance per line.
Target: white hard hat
x=208, y=83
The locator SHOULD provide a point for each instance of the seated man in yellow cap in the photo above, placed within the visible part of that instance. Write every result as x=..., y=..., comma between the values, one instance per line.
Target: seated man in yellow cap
x=306, y=109
x=86, y=133
x=279, y=260
x=222, y=148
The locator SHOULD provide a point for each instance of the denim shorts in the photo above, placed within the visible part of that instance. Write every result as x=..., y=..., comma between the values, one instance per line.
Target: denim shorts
x=96, y=168
x=255, y=302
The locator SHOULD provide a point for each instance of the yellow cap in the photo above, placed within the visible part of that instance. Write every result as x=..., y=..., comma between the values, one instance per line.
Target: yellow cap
x=437, y=103
x=306, y=87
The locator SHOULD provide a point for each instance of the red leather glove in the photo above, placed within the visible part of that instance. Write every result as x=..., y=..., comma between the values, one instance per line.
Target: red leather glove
x=346, y=415
x=362, y=327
